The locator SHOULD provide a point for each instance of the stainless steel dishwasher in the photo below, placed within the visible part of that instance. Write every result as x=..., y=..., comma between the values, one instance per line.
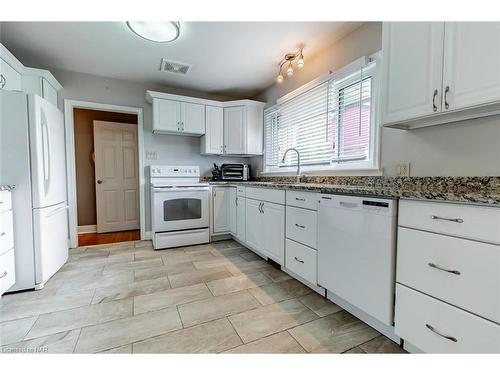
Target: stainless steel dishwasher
x=356, y=251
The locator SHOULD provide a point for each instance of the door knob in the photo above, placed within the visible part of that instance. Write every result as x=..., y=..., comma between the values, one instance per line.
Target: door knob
x=99, y=181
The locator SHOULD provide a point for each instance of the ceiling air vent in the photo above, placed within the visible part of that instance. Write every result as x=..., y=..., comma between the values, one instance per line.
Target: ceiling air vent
x=174, y=67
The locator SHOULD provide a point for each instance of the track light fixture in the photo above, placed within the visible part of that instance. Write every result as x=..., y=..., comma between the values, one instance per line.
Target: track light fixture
x=289, y=59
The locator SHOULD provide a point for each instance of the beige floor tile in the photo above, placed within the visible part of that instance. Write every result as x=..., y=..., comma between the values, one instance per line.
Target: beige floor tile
x=319, y=304
x=216, y=262
x=171, y=297
x=381, y=344
x=143, y=243
x=125, y=331
x=172, y=258
x=264, y=321
x=334, y=333
x=249, y=256
x=61, y=343
x=277, y=292
x=61, y=321
x=130, y=290
x=25, y=307
x=145, y=253
x=132, y=266
x=249, y=267
x=125, y=349
x=199, y=276
x=197, y=248
x=278, y=343
x=216, y=307
x=15, y=330
x=355, y=350
x=276, y=275
x=86, y=282
x=229, y=251
x=162, y=271
x=211, y=337
x=237, y=283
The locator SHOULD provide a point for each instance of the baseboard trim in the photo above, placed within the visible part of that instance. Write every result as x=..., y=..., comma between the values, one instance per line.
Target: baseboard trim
x=87, y=228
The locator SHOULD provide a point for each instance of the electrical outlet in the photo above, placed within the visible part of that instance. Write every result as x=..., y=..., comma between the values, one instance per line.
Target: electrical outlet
x=403, y=169
x=151, y=155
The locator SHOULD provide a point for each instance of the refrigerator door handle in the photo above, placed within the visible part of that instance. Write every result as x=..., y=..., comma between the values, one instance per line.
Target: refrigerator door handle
x=57, y=210
x=46, y=153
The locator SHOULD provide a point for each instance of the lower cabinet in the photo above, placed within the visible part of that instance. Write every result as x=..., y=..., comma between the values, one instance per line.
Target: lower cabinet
x=220, y=209
x=240, y=218
x=232, y=211
x=265, y=228
x=301, y=260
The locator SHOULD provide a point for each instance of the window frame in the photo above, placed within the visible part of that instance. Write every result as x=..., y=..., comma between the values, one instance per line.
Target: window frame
x=370, y=166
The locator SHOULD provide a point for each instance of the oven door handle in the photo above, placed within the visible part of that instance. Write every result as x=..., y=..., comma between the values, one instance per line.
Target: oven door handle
x=186, y=188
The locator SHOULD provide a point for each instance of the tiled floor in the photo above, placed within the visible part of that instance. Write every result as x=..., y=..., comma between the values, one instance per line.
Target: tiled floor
x=128, y=298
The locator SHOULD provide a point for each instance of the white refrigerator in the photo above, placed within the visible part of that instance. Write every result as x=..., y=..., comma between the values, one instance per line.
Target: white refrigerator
x=33, y=158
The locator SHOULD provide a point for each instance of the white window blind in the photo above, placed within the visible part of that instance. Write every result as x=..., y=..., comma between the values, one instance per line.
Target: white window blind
x=330, y=123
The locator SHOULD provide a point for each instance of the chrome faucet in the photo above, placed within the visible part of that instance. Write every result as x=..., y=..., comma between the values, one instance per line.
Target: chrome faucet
x=298, y=161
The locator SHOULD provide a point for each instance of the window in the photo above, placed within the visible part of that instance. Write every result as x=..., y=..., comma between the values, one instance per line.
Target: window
x=331, y=123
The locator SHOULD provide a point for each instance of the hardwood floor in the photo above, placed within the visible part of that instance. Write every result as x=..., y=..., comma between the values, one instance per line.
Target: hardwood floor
x=87, y=239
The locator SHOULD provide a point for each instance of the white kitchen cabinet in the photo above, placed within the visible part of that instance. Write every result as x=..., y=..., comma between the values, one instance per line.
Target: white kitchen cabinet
x=471, y=64
x=412, y=70
x=232, y=210
x=234, y=130
x=243, y=128
x=213, y=140
x=41, y=82
x=273, y=231
x=220, y=209
x=253, y=224
x=240, y=218
x=439, y=72
x=176, y=117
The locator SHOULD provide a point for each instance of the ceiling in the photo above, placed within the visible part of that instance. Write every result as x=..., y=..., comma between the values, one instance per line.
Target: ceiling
x=235, y=59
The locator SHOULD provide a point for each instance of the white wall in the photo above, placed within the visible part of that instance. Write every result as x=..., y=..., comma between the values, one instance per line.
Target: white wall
x=469, y=148
x=170, y=149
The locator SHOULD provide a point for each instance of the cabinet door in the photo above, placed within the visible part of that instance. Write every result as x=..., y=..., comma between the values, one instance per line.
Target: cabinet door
x=273, y=231
x=193, y=118
x=240, y=218
x=49, y=93
x=253, y=224
x=221, y=209
x=234, y=130
x=232, y=210
x=167, y=116
x=214, y=125
x=10, y=78
x=412, y=70
x=471, y=64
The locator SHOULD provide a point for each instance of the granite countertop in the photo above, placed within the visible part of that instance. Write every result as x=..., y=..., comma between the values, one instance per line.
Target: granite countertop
x=473, y=190
x=7, y=187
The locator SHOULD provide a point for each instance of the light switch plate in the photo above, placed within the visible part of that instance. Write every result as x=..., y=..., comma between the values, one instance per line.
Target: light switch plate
x=151, y=155
x=403, y=169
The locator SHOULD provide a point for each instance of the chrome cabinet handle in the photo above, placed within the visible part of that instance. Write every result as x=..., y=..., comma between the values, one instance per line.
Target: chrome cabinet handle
x=298, y=260
x=446, y=91
x=432, y=329
x=300, y=226
x=3, y=81
x=458, y=220
x=300, y=199
x=434, y=106
x=221, y=149
x=2, y=234
x=178, y=126
x=260, y=207
x=236, y=201
x=182, y=125
x=433, y=265
x=3, y=275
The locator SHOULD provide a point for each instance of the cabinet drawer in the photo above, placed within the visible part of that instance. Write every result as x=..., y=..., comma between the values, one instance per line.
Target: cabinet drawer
x=240, y=191
x=423, y=321
x=301, y=260
x=301, y=226
x=6, y=232
x=7, y=271
x=268, y=195
x=473, y=222
x=477, y=286
x=5, y=201
x=302, y=199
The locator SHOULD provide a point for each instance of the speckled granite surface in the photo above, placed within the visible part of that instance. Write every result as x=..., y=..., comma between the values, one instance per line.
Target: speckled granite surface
x=7, y=187
x=477, y=190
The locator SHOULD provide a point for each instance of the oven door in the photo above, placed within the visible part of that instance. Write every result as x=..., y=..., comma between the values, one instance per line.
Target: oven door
x=178, y=208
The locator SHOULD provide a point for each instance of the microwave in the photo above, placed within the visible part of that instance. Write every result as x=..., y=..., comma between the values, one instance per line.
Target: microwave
x=235, y=172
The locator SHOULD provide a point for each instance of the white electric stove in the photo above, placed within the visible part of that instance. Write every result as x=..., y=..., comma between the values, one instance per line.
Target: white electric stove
x=179, y=206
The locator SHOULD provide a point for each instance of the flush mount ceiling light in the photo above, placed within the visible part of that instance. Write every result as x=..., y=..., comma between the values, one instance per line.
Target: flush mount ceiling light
x=289, y=59
x=161, y=32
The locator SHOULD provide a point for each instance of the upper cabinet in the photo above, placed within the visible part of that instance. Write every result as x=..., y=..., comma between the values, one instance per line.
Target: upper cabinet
x=226, y=128
x=14, y=76
x=439, y=72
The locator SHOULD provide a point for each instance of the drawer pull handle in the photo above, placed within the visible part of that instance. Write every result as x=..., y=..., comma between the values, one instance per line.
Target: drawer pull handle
x=3, y=275
x=434, y=217
x=455, y=272
x=2, y=234
x=300, y=199
x=299, y=260
x=300, y=226
x=432, y=329
x=348, y=204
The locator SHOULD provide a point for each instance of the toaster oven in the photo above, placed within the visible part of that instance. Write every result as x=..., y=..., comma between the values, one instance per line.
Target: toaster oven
x=235, y=172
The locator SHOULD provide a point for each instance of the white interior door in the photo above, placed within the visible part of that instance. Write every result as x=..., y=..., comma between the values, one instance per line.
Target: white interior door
x=116, y=173
x=471, y=64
